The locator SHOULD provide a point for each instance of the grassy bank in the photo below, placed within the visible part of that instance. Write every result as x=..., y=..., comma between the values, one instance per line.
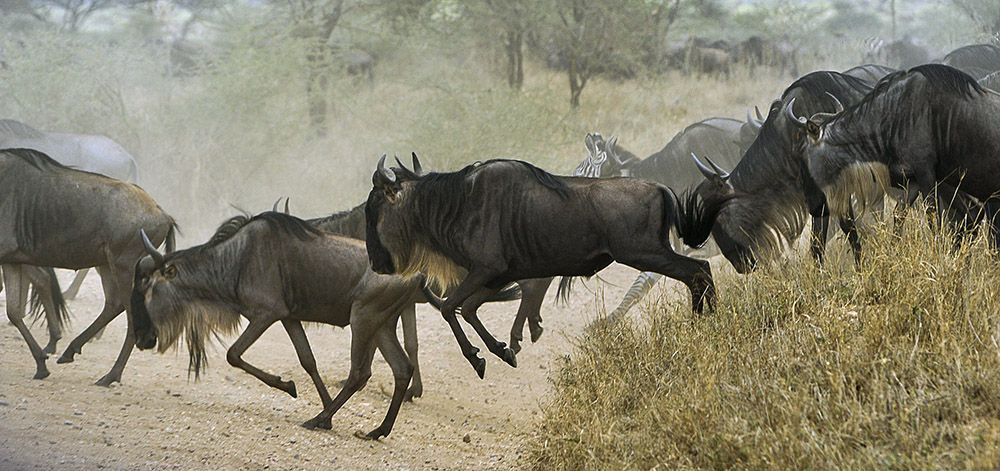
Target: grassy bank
x=894, y=365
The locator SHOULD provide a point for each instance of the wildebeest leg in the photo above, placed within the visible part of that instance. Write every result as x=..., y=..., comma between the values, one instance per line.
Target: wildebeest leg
x=532, y=297
x=42, y=285
x=301, y=343
x=849, y=225
x=388, y=344
x=472, y=283
x=363, y=332
x=408, y=318
x=469, y=313
x=117, y=291
x=234, y=355
x=17, y=296
x=695, y=274
x=108, y=314
x=74, y=287
x=817, y=243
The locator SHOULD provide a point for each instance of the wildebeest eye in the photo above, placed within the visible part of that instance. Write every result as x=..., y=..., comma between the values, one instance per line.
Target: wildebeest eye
x=170, y=272
x=813, y=129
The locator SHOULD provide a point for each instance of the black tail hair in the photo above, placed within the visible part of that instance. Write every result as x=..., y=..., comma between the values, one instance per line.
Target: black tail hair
x=693, y=217
x=36, y=308
x=565, y=287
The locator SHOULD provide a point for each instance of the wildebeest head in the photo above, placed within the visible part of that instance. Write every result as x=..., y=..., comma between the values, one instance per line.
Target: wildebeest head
x=391, y=249
x=604, y=158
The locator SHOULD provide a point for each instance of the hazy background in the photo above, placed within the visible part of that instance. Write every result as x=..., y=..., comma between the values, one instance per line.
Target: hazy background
x=239, y=102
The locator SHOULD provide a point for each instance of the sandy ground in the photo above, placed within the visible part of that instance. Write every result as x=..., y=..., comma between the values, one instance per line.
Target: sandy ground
x=159, y=419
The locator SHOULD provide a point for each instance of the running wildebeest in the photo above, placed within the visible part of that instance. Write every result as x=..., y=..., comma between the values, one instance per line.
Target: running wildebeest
x=926, y=130
x=991, y=81
x=55, y=216
x=507, y=220
x=276, y=268
x=763, y=202
x=870, y=73
x=977, y=60
x=723, y=138
x=91, y=153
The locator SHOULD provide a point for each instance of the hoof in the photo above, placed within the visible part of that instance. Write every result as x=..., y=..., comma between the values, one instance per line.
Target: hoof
x=42, y=373
x=536, y=333
x=515, y=345
x=509, y=357
x=67, y=356
x=412, y=393
x=479, y=365
x=50, y=349
x=318, y=422
x=373, y=435
x=107, y=380
x=289, y=387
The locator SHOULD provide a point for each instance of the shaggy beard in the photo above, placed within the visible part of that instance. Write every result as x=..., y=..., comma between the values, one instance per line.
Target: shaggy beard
x=197, y=322
x=859, y=186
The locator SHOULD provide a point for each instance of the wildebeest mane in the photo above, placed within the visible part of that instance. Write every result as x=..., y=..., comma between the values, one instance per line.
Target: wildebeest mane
x=291, y=225
x=449, y=180
x=695, y=218
x=343, y=223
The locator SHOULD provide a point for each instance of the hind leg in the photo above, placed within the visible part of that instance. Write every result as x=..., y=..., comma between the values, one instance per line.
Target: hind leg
x=388, y=344
x=17, y=294
x=695, y=274
x=409, y=320
x=41, y=282
x=74, y=287
x=530, y=309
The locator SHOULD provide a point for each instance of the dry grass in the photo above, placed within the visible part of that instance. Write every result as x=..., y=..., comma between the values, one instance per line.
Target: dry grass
x=894, y=365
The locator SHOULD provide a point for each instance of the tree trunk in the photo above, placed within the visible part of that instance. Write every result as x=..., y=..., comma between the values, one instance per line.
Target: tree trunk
x=317, y=85
x=576, y=84
x=513, y=44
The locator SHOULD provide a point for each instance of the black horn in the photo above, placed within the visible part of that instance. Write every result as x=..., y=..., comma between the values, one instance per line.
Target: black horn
x=417, y=168
x=150, y=248
x=757, y=112
x=386, y=173
x=838, y=106
x=707, y=171
x=791, y=113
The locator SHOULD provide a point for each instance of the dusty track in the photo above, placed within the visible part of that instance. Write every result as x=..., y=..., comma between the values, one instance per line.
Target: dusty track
x=158, y=419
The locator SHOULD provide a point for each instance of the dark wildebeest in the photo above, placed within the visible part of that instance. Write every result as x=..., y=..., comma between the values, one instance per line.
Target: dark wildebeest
x=276, y=268
x=977, y=60
x=699, y=60
x=928, y=130
x=55, y=216
x=870, y=73
x=991, y=81
x=360, y=64
x=757, y=51
x=672, y=167
x=901, y=53
x=87, y=152
x=507, y=220
x=763, y=203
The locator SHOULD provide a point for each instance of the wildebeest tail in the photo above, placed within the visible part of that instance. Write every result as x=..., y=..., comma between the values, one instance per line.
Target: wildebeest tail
x=36, y=307
x=565, y=286
x=692, y=217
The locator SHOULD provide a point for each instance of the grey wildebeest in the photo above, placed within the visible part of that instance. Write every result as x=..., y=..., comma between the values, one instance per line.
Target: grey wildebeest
x=763, y=203
x=870, y=73
x=723, y=138
x=276, y=268
x=507, y=220
x=926, y=130
x=977, y=60
x=91, y=153
x=55, y=216
x=901, y=53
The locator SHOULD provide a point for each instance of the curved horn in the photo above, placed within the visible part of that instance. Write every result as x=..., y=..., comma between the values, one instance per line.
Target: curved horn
x=718, y=170
x=757, y=112
x=836, y=103
x=400, y=162
x=386, y=173
x=287, y=199
x=791, y=113
x=705, y=169
x=417, y=169
x=150, y=248
x=274, y=208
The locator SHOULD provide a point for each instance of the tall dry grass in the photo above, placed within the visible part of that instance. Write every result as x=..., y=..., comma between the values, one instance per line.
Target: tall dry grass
x=893, y=365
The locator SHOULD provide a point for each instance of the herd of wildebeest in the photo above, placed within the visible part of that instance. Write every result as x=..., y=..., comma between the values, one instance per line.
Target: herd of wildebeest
x=832, y=145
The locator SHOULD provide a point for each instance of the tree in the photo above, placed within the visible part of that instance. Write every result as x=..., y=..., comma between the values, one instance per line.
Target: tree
x=985, y=13
x=75, y=12
x=512, y=17
x=595, y=37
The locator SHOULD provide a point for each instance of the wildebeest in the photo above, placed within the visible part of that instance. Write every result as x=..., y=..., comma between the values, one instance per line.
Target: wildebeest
x=870, y=73
x=360, y=64
x=723, y=138
x=977, y=60
x=762, y=204
x=507, y=220
x=55, y=216
x=901, y=53
x=91, y=153
x=704, y=60
x=926, y=130
x=758, y=51
x=276, y=268
x=991, y=81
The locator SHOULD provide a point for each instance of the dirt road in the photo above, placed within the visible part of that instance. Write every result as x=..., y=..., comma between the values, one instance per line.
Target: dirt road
x=158, y=419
